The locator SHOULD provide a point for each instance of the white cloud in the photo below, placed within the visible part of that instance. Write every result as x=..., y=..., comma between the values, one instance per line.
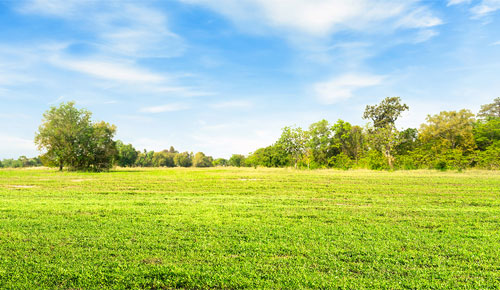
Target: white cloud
x=485, y=7
x=322, y=17
x=233, y=104
x=496, y=43
x=128, y=29
x=424, y=35
x=343, y=87
x=165, y=108
x=456, y=2
x=419, y=18
x=110, y=71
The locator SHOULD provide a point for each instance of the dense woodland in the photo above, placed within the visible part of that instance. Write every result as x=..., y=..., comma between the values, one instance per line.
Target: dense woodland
x=448, y=140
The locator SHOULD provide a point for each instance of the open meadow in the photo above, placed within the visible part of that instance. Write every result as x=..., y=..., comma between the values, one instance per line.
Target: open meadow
x=232, y=228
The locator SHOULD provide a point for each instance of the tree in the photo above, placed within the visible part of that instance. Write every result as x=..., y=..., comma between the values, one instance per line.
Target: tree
x=407, y=141
x=220, y=162
x=270, y=156
x=487, y=133
x=201, y=160
x=127, y=155
x=490, y=110
x=293, y=141
x=449, y=130
x=320, y=142
x=183, y=159
x=237, y=160
x=384, y=134
x=70, y=139
x=386, y=113
x=347, y=139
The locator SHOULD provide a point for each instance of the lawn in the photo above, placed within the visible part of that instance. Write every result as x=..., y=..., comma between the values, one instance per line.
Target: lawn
x=235, y=228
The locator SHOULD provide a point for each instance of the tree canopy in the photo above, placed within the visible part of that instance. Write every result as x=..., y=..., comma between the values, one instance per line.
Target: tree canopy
x=69, y=138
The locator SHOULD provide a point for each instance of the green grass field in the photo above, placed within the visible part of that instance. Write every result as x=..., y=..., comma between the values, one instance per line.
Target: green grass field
x=247, y=228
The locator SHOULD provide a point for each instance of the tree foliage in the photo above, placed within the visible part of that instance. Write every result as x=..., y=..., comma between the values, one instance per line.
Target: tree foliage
x=69, y=138
x=386, y=113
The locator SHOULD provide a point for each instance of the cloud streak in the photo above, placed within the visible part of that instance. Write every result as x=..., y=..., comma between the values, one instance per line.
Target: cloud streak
x=321, y=18
x=343, y=87
x=165, y=108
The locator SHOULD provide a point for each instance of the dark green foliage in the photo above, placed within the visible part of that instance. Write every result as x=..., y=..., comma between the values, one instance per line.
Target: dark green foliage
x=221, y=162
x=127, y=154
x=184, y=159
x=201, y=160
x=487, y=133
x=145, y=159
x=237, y=160
x=270, y=156
x=163, y=159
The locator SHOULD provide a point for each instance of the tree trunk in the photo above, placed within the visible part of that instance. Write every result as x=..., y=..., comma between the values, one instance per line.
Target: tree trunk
x=60, y=166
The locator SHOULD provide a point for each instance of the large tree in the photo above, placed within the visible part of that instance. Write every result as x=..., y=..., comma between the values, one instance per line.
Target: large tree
x=384, y=134
x=489, y=111
x=449, y=130
x=69, y=138
x=386, y=113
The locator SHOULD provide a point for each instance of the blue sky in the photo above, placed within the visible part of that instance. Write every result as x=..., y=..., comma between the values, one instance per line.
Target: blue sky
x=224, y=76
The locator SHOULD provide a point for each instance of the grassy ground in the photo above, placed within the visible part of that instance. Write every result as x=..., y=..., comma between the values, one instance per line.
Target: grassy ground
x=247, y=228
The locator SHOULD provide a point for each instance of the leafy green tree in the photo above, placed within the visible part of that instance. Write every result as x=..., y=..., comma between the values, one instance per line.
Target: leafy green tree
x=294, y=141
x=145, y=159
x=490, y=110
x=487, y=133
x=201, y=160
x=61, y=132
x=384, y=135
x=270, y=156
x=101, y=150
x=386, y=113
x=237, y=160
x=320, y=142
x=449, y=130
x=184, y=159
x=347, y=139
x=70, y=139
x=221, y=162
x=127, y=154
x=408, y=141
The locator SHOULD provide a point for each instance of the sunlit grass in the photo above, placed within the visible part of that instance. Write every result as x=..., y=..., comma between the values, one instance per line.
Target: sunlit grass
x=247, y=228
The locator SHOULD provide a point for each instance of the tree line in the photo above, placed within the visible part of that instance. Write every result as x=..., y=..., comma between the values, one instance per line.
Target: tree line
x=451, y=139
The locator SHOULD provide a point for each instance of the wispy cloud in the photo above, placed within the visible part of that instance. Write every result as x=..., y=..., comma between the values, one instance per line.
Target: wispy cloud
x=108, y=70
x=323, y=17
x=343, y=87
x=131, y=29
x=485, y=7
x=456, y=2
x=165, y=108
x=242, y=104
